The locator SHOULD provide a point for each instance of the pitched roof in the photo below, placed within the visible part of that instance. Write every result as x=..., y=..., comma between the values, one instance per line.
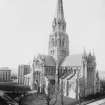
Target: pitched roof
x=72, y=60
x=48, y=60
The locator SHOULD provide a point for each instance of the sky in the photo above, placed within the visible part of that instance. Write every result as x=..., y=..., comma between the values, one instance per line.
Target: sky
x=25, y=26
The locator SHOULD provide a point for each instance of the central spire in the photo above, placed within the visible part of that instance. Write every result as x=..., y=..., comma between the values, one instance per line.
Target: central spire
x=59, y=41
x=59, y=23
x=60, y=13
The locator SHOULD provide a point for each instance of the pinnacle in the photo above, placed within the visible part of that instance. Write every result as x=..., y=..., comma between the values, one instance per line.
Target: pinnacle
x=60, y=13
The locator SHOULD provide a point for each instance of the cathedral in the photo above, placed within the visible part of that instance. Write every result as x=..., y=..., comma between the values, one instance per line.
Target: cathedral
x=75, y=73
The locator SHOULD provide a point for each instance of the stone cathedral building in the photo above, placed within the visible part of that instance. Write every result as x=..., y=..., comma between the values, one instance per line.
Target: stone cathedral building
x=76, y=73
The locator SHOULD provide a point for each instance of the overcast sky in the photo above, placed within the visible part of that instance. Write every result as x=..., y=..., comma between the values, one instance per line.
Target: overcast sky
x=25, y=26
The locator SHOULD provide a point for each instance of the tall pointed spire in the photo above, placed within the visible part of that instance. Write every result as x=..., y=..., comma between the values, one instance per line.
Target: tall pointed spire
x=84, y=53
x=59, y=41
x=59, y=21
x=60, y=13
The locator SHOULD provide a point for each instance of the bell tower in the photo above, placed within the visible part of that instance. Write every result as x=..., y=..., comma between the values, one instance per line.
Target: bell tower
x=58, y=40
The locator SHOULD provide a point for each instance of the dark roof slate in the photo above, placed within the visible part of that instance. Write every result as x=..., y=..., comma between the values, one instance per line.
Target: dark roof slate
x=48, y=60
x=72, y=60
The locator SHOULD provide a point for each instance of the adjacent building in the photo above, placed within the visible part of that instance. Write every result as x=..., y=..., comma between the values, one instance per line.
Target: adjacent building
x=28, y=80
x=5, y=74
x=22, y=71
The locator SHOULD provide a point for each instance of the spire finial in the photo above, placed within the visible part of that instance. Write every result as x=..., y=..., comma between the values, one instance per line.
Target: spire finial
x=93, y=53
x=90, y=53
x=59, y=21
x=60, y=13
x=84, y=52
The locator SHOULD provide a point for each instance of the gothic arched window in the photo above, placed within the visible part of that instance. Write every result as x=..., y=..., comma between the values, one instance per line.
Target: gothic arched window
x=52, y=42
x=55, y=42
x=60, y=42
x=63, y=42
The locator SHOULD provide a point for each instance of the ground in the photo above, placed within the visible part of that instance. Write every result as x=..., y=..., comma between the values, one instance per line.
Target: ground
x=40, y=100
